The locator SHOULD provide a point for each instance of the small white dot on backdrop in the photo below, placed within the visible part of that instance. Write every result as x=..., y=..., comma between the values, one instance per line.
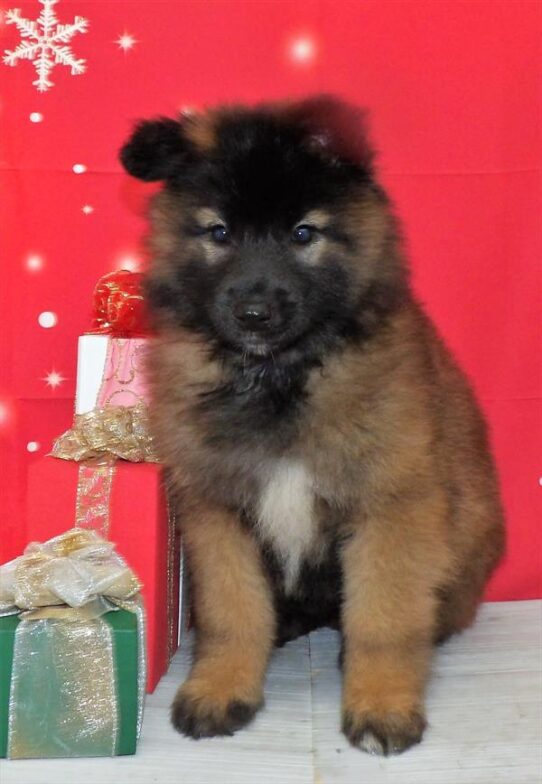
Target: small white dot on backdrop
x=130, y=263
x=36, y=117
x=79, y=168
x=47, y=319
x=540, y=481
x=302, y=50
x=33, y=446
x=34, y=262
x=5, y=413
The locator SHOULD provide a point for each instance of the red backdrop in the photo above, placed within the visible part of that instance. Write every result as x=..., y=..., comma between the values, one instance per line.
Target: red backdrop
x=452, y=89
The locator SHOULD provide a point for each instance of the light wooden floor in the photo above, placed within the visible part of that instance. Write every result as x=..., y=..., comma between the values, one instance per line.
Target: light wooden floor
x=484, y=709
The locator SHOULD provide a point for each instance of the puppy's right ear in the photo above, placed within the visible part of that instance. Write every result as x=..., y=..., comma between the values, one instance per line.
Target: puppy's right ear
x=156, y=149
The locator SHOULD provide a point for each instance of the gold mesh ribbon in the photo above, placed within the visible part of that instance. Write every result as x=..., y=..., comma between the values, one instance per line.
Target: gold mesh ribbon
x=96, y=440
x=114, y=431
x=72, y=569
x=92, y=506
x=67, y=667
x=63, y=655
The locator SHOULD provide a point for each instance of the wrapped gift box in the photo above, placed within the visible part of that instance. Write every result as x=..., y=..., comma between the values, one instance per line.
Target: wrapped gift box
x=50, y=709
x=140, y=525
x=110, y=372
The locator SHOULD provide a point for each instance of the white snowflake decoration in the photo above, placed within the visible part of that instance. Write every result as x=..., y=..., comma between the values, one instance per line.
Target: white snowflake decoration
x=44, y=43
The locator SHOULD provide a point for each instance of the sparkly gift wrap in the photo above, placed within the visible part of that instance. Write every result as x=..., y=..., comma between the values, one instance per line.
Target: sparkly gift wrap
x=113, y=431
x=110, y=371
x=119, y=306
x=69, y=688
x=72, y=662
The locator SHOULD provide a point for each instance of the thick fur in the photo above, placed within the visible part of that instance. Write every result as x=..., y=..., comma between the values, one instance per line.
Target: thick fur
x=331, y=462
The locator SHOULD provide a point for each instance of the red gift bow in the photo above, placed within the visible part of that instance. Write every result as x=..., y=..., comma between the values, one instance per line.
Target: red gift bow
x=119, y=305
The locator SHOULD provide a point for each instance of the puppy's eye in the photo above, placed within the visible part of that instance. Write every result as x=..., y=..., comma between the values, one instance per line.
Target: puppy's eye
x=302, y=235
x=219, y=234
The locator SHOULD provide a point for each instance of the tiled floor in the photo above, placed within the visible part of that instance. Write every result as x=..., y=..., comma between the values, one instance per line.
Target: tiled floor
x=484, y=709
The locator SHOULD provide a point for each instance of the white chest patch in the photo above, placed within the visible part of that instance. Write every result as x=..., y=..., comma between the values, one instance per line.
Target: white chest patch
x=286, y=517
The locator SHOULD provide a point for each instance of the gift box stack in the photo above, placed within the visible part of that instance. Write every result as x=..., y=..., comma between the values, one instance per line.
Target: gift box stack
x=104, y=469
x=102, y=480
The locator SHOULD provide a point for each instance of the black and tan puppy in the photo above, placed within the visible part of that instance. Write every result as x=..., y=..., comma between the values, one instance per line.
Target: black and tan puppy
x=332, y=464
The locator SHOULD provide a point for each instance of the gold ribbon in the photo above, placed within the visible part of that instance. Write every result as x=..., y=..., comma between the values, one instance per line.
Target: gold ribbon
x=63, y=655
x=72, y=569
x=63, y=700
x=95, y=441
x=92, y=505
x=115, y=431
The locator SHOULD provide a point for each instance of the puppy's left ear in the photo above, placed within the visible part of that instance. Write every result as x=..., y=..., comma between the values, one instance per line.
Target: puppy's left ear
x=156, y=150
x=336, y=128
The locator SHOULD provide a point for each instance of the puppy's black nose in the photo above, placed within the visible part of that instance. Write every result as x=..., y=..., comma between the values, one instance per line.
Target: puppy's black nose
x=253, y=315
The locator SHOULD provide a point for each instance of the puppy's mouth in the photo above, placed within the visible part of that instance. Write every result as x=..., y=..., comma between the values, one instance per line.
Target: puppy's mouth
x=261, y=342
x=258, y=345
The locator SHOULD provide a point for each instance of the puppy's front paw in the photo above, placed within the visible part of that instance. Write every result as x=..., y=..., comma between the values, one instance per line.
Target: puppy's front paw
x=198, y=713
x=385, y=734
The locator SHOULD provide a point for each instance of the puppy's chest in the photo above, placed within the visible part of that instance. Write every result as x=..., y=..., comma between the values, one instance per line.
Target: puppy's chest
x=285, y=515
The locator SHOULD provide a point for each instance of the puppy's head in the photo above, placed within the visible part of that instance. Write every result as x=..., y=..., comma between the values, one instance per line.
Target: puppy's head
x=270, y=234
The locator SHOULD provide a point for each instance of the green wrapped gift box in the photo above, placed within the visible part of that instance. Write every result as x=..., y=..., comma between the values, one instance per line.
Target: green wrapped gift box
x=70, y=688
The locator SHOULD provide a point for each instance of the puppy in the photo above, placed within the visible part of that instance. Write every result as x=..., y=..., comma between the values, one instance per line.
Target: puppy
x=331, y=462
